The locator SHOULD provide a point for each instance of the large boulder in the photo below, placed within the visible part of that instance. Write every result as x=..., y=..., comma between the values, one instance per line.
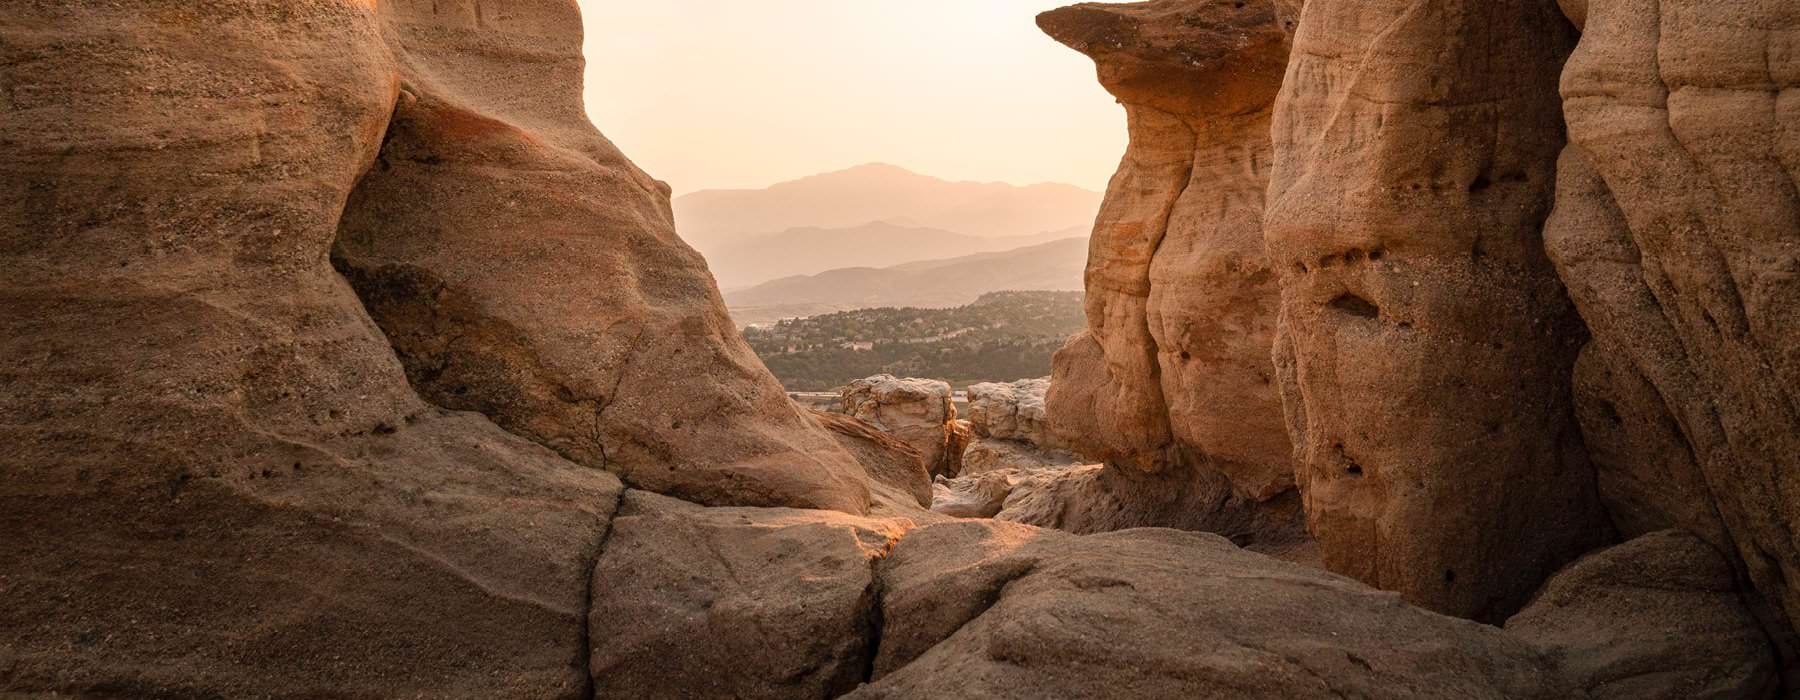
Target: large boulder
x=1009, y=429
x=1677, y=229
x=1657, y=617
x=917, y=411
x=736, y=602
x=1011, y=411
x=1428, y=345
x=1172, y=380
x=996, y=610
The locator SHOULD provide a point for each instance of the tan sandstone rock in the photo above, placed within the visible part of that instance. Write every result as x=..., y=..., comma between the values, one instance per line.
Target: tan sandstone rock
x=1677, y=230
x=1428, y=345
x=1656, y=617
x=917, y=411
x=1010, y=430
x=522, y=267
x=996, y=610
x=218, y=482
x=1172, y=380
x=735, y=602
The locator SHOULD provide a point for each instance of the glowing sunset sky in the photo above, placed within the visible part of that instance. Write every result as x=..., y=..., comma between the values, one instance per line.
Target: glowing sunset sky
x=746, y=93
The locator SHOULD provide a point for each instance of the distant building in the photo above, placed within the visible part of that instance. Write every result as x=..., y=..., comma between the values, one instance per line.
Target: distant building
x=859, y=346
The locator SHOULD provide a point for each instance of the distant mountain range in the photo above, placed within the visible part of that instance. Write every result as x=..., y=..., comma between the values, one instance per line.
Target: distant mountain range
x=808, y=251
x=1053, y=266
x=880, y=235
x=879, y=192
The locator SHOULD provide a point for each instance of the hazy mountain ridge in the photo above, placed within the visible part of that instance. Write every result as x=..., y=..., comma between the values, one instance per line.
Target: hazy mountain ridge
x=811, y=251
x=1053, y=266
x=712, y=219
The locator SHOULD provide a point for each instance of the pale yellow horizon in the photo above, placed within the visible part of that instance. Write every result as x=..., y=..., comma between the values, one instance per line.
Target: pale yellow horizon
x=709, y=94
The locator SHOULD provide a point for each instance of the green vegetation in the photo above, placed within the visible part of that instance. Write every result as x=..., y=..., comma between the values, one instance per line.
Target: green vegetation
x=1003, y=336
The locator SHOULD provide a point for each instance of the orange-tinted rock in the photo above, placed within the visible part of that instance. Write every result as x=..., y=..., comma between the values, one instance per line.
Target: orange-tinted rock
x=1172, y=379
x=916, y=411
x=524, y=268
x=1428, y=344
x=736, y=602
x=997, y=610
x=1678, y=233
x=1657, y=617
x=218, y=482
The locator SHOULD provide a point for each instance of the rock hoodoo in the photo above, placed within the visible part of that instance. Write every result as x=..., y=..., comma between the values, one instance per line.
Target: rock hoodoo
x=1172, y=385
x=1427, y=343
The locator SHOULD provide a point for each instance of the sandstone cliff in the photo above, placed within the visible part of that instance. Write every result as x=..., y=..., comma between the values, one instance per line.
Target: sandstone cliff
x=1677, y=230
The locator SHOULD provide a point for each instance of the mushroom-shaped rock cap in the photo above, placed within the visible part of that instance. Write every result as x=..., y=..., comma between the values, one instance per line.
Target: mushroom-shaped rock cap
x=1180, y=56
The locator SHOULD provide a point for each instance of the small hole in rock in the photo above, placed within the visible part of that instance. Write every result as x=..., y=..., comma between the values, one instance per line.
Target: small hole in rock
x=1481, y=183
x=1449, y=577
x=1356, y=306
x=1377, y=254
x=1354, y=470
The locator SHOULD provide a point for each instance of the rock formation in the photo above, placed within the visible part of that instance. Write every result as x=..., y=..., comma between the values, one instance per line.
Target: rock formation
x=340, y=357
x=917, y=411
x=522, y=267
x=1656, y=617
x=1428, y=345
x=219, y=481
x=1008, y=429
x=984, y=609
x=1172, y=385
x=1677, y=230
x=735, y=602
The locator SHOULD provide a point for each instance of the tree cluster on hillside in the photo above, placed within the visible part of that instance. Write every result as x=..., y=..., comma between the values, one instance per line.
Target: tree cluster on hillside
x=1003, y=336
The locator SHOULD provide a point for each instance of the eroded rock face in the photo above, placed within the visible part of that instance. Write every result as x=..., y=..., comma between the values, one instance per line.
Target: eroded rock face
x=986, y=609
x=1677, y=230
x=1009, y=429
x=1657, y=617
x=736, y=602
x=1011, y=411
x=917, y=411
x=218, y=482
x=1173, y=376
x=524, y=268
x=1428, y=345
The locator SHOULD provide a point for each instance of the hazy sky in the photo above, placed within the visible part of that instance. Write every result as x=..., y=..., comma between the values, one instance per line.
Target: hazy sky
x=746, y=93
